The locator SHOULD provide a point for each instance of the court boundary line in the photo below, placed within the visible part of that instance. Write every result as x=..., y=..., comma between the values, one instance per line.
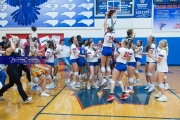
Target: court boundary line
x=107, y=116
x=40, y=112
x=174, y=93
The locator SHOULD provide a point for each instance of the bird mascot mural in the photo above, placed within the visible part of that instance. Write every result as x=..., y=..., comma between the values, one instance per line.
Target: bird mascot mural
x=27, y=12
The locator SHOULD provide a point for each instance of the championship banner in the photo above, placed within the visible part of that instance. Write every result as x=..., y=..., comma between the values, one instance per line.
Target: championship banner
x=166, y=18
x=143, y=8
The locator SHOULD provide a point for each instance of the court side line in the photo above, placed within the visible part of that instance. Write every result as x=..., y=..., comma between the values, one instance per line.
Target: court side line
x=40, y=112
x=174, y=93
x=106, y=116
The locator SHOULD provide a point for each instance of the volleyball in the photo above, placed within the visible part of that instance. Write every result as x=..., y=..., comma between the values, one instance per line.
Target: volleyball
x=1, y=85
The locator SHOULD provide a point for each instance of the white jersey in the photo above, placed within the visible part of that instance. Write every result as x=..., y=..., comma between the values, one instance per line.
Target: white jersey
x=137, y=54
x=99, y=52
x=123, y=55
x=73, y=49
x=86, y=48
x=49, y=52
x=92, y=58
x=22, y=51
x=59, y=54
x=153, y=48
x=108, y=39
x=131, y=53
x=162, y=66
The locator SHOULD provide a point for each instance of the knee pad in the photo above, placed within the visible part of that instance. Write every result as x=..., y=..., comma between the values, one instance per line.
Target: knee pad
x=149, y=74
x=103, y=69
x=76, y=73
x=108, y=69
x=165, y=77
x=130, y=80
x=119, y=82
x=112, y=81
x=1, y=85
x=136, y=71
x=161, y=85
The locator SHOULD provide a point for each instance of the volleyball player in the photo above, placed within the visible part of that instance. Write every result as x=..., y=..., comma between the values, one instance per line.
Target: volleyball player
x=121, y=60
x=162, y=69
x=131, y=67
x=138, y=58
x=81, y=64
x=74, y=54
x=150, y=63
x=107, y=51
x=50, y=62
x=93, y=64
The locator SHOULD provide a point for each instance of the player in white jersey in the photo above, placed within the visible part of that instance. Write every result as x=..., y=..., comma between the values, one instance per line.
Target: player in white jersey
x=50, y=62
x=74, y=54
x=150, y=63
x=107, y=50
x=162, y=69
x=138, y=57
x=93, y=64
x=131, y=67
x=121, y=60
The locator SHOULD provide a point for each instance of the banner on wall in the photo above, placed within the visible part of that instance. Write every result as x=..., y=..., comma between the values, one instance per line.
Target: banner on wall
x=46, y=13
x=166, y=17
x=143, y=8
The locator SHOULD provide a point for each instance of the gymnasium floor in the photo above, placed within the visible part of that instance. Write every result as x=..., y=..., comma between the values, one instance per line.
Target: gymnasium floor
x=65, y=104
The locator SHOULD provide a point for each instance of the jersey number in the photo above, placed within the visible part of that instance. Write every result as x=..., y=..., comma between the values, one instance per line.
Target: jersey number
x=111, y=39
x=126, y=54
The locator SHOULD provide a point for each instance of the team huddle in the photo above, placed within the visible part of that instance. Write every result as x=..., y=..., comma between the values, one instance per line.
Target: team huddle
x=103, y=64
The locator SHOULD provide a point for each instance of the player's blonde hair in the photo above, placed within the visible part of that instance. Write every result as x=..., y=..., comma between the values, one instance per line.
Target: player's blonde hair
x=164, y=44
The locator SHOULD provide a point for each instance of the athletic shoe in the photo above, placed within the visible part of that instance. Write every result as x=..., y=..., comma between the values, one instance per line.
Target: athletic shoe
x=152, y=88
x=166, y=86
x=147, y=87
x=104, y=81
x=50, y=86
x=163, y=98
x=107, y=87
x=129, y=91
x=2, y=99
x=28, y=100
x=136, y=81
x=123, y=97
x=88, y=86
x=157, y=95
x=30, y=83
x=110, y=98
x=95, y=86
x=78, y=85
x=43, y=94
x=73, y=86
x=67, y=82
x=55, y=79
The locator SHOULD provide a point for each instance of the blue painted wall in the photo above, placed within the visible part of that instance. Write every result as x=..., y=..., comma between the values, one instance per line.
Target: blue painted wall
x=173, y=44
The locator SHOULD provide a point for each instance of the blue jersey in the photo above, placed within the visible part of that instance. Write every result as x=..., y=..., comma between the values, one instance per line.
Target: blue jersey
x=82, y=52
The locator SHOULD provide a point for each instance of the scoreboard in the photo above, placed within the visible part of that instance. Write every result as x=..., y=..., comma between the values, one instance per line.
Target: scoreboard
x=166, y=1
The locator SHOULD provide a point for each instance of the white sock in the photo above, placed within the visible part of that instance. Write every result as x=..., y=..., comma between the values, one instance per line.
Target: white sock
x=131, y=87
x=148, y=83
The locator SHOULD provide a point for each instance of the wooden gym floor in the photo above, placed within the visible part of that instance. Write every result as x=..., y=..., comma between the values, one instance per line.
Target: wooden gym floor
x=65, y=104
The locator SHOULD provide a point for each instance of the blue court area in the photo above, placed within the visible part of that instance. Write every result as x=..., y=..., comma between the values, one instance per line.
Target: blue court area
x=93, y=97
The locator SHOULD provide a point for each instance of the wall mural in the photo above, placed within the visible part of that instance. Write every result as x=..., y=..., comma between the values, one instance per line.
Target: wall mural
x=46, y=13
